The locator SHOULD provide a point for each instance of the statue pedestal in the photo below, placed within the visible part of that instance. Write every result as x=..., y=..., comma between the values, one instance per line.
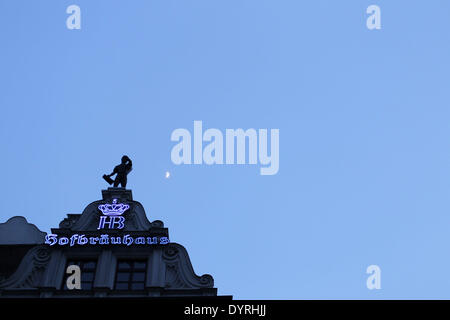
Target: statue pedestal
x=117, y=193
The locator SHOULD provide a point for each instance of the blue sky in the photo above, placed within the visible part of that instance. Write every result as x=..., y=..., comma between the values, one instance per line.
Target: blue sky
x=363, y=118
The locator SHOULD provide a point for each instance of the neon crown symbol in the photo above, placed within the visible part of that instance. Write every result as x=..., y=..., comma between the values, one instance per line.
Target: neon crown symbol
x=114, y=209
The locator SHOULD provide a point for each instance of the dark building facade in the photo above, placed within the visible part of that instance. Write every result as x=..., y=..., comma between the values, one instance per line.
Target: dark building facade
x=116, y=249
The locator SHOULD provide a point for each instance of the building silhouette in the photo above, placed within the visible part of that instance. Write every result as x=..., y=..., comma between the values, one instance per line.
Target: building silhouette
x=118, y=251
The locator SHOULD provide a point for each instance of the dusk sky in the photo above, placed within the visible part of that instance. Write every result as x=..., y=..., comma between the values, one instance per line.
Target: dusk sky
x=363, y=120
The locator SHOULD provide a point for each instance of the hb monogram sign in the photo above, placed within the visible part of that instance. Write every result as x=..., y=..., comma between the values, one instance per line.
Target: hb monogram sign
x=112, y=215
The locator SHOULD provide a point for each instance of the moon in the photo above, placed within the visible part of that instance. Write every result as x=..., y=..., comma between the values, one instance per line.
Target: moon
x=167, y=174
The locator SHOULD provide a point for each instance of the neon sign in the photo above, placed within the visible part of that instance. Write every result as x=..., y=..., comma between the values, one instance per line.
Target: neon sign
x=104, y=239
x=112, y=218
x=114, y=209
x=112, y=215
x=112, y=222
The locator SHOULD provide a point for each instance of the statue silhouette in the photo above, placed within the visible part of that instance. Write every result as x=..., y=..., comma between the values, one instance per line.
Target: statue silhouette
x=122, y=170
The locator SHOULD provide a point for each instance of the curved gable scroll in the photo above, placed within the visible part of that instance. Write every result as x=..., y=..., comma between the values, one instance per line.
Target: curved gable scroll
x=17, y=230
x=135, y=218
